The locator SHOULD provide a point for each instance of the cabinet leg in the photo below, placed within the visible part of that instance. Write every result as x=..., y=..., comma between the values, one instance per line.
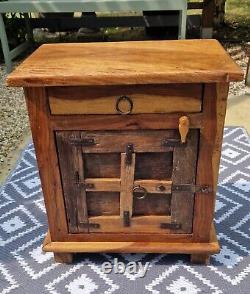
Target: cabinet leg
x=63, y=257
x=200, y=258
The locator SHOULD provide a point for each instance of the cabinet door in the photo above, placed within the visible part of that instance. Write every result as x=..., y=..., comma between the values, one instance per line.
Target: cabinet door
x=128, y=181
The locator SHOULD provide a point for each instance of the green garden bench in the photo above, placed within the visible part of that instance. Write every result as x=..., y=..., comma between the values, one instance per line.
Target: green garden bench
x=45, y=6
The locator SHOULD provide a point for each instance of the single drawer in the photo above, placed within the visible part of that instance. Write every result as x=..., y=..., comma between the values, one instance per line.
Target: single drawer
x=126, y=99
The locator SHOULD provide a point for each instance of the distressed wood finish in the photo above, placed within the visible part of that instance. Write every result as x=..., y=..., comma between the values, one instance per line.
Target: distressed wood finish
x=100, y=204
x=145, y=99
x=184, y=172
x=75, y=197
x=121, y=63
x=140, y=182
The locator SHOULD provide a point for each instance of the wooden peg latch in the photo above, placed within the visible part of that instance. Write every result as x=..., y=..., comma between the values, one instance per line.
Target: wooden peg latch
x=183, y=128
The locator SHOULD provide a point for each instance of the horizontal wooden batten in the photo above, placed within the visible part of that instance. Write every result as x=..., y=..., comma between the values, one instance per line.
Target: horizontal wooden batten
x=123, y=122
x=142, y=224
x=113, y=184
x=108, y=142
x=155, y=186
x=102, y=184
x=170, y=98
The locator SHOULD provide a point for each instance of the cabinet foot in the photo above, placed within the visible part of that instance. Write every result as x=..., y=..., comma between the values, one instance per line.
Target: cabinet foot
x=63, y=257
x=200, y=258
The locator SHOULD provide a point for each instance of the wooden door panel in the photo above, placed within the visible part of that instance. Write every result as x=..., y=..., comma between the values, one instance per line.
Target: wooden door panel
x=153, y=204
x=72, y=170
x=103, y=203
x=114, y=194
x=154, y=165
x=102, y=165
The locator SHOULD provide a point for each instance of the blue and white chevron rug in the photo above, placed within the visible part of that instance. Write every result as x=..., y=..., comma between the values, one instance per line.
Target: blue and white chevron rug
x=25, y=269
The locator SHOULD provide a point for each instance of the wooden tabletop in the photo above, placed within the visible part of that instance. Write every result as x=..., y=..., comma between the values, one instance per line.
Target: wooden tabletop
x=109, y=63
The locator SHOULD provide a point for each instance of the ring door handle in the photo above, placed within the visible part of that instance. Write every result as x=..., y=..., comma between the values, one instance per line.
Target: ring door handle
x=141, y=190
x=120, y=100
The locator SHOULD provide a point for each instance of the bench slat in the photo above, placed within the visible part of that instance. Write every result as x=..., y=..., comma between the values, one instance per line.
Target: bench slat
x=90, y=5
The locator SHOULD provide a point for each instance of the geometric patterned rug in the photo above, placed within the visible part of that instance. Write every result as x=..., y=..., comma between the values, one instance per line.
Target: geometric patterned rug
x=25, y=269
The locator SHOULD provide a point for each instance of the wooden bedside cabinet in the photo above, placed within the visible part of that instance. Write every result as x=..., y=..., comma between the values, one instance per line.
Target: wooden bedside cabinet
x=128, y=138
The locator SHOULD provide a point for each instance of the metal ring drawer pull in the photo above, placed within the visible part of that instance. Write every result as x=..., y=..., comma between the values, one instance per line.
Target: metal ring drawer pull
x=128, y=100
x=140, y=189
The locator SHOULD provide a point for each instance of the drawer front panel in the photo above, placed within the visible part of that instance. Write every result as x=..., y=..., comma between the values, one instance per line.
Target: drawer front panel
x=129, y=187
x=126, y=99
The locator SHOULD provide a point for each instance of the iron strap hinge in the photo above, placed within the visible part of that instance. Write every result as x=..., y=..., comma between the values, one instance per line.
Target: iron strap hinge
x=173, y=143
x=171, y=226
x=90, y=225
x=192, y=188
x=129, y=153
x=86, y=186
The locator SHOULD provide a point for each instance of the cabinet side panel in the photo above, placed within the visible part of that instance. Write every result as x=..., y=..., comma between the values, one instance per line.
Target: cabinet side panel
x=46, y=154
x=221, y=106
x=214, y=108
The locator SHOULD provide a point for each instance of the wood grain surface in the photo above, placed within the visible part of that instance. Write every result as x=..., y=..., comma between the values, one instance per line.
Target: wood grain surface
x=127, y=247
x=145, y=99
x=119, y=63
x=46, y=155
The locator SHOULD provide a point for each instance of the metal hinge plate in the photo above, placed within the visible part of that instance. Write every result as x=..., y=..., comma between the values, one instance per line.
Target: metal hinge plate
x=129, y=153
x=173, y=143
x=170, y=226
x=126, y=219
x=82, y=184
x=191, y=188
